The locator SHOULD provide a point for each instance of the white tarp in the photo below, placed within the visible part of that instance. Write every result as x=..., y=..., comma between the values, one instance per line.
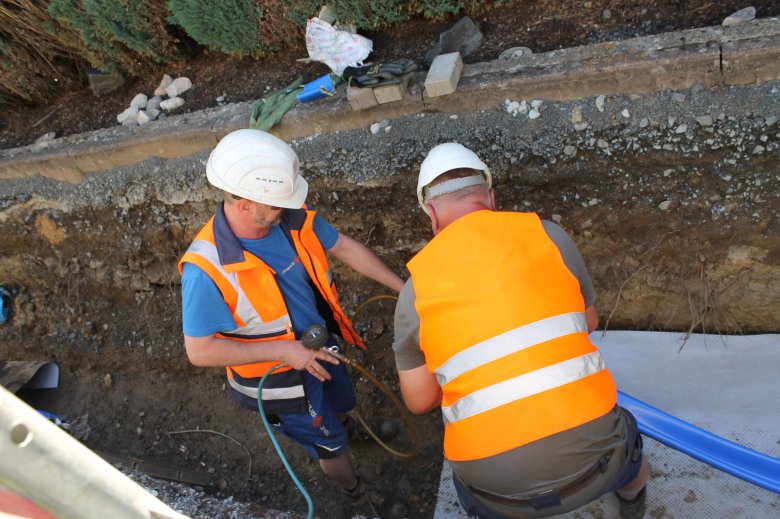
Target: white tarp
x=727, y=385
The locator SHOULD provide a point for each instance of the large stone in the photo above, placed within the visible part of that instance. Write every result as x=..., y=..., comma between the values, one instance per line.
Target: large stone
x=178, y=86
x=743, y=15
x=103, y=83
x=172, y=103
x=464, y=37
x=139, y=101
x=160, y=90
x=443, y=77
x=130, y=113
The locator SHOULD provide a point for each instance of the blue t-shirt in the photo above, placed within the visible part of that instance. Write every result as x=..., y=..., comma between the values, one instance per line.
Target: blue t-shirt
x=204, y=311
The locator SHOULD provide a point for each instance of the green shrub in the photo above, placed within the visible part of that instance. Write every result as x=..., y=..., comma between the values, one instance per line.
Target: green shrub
x=229, y=26
x=120, y=35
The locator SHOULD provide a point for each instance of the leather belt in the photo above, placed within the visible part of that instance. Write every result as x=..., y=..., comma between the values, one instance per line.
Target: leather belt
x=547, y=498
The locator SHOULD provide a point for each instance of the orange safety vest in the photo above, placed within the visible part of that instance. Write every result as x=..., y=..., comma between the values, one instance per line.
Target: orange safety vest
x=253, y=296
x=503, y=328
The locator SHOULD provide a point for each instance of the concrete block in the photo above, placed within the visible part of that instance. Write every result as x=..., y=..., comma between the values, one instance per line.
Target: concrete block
x=389, y=93
x=361, y=98
x=444, y=74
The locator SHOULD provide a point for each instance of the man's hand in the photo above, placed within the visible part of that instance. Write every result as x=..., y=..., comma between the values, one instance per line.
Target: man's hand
x=302, y=358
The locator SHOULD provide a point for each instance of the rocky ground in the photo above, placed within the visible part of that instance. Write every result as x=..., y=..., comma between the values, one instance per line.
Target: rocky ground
x=672, y=198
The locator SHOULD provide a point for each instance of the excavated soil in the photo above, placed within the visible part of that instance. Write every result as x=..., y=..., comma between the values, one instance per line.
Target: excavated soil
x=678, y=225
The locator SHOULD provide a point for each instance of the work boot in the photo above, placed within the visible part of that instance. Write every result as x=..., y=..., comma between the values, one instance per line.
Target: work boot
x=633, y=508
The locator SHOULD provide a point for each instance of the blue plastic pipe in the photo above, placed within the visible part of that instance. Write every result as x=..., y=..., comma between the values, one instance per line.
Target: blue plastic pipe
x=739, y=461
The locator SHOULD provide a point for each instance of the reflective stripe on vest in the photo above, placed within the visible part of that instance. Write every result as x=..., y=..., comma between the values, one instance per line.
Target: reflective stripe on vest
x=253, y=326
x=510, y=342
x=523, y=386
x=503, y=329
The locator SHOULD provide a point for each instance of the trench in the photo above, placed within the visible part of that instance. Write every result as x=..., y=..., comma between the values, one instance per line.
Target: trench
x=676, y=218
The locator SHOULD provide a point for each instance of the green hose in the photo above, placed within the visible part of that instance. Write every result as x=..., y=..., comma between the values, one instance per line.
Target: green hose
x=279, y=451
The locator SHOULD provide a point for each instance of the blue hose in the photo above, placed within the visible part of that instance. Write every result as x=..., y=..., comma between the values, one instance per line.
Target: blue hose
x=754, y=467
x=279, y=451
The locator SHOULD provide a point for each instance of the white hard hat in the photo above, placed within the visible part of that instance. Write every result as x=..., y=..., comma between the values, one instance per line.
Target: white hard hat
x=446, y=157
x=258, y=166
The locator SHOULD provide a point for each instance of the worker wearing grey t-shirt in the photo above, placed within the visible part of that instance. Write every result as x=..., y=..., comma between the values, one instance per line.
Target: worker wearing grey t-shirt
x=492, y=327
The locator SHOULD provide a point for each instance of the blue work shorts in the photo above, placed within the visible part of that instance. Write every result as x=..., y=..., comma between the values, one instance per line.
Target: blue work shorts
x=320, y=429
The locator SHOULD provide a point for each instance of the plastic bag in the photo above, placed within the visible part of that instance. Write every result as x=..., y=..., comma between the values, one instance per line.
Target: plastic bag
x=337, y=49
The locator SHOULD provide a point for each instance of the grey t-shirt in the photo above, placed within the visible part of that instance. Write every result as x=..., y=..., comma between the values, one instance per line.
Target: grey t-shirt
x=407, y=323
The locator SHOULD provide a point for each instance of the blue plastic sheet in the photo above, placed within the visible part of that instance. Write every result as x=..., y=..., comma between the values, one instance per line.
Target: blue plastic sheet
x=739, y=461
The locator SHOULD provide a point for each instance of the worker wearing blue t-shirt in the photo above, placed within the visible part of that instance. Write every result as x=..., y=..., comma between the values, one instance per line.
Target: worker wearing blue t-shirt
x=255, y=277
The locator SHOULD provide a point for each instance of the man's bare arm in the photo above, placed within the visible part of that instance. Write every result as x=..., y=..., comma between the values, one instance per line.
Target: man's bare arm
x=362, y=260
x=420, y=389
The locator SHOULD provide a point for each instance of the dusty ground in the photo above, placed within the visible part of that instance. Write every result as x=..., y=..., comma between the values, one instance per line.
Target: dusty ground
x=92, y=266
x=540, y=26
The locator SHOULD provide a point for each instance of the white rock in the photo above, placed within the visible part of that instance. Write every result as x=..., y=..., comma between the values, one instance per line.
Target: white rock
x=152, y=112
x=580, y=126
x=704, y=120
x=663, y=206
x=569, y=150
x=131, y=112
x=536, y=103
x=556, y=218
x=154, y=102
x=625, y=113
x=576, y=115
x=758, y=150
x=743, y=15
x=600, y=103
x=172, y=103
x=178, y=86
x=160, y=90
x=534, y=114
x=139, y=101
x=379, y=126
x=681, y=129
x=143, y=118
x=513, y=107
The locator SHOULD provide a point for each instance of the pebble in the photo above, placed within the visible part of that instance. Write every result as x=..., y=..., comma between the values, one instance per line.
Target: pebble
x=664, y=206
x=681, y=129
x=678, y=98
x=600, y=103
x=704, y=121
x=379, y=126
x=625, y=113
x=569, y=150
x=533, y=114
